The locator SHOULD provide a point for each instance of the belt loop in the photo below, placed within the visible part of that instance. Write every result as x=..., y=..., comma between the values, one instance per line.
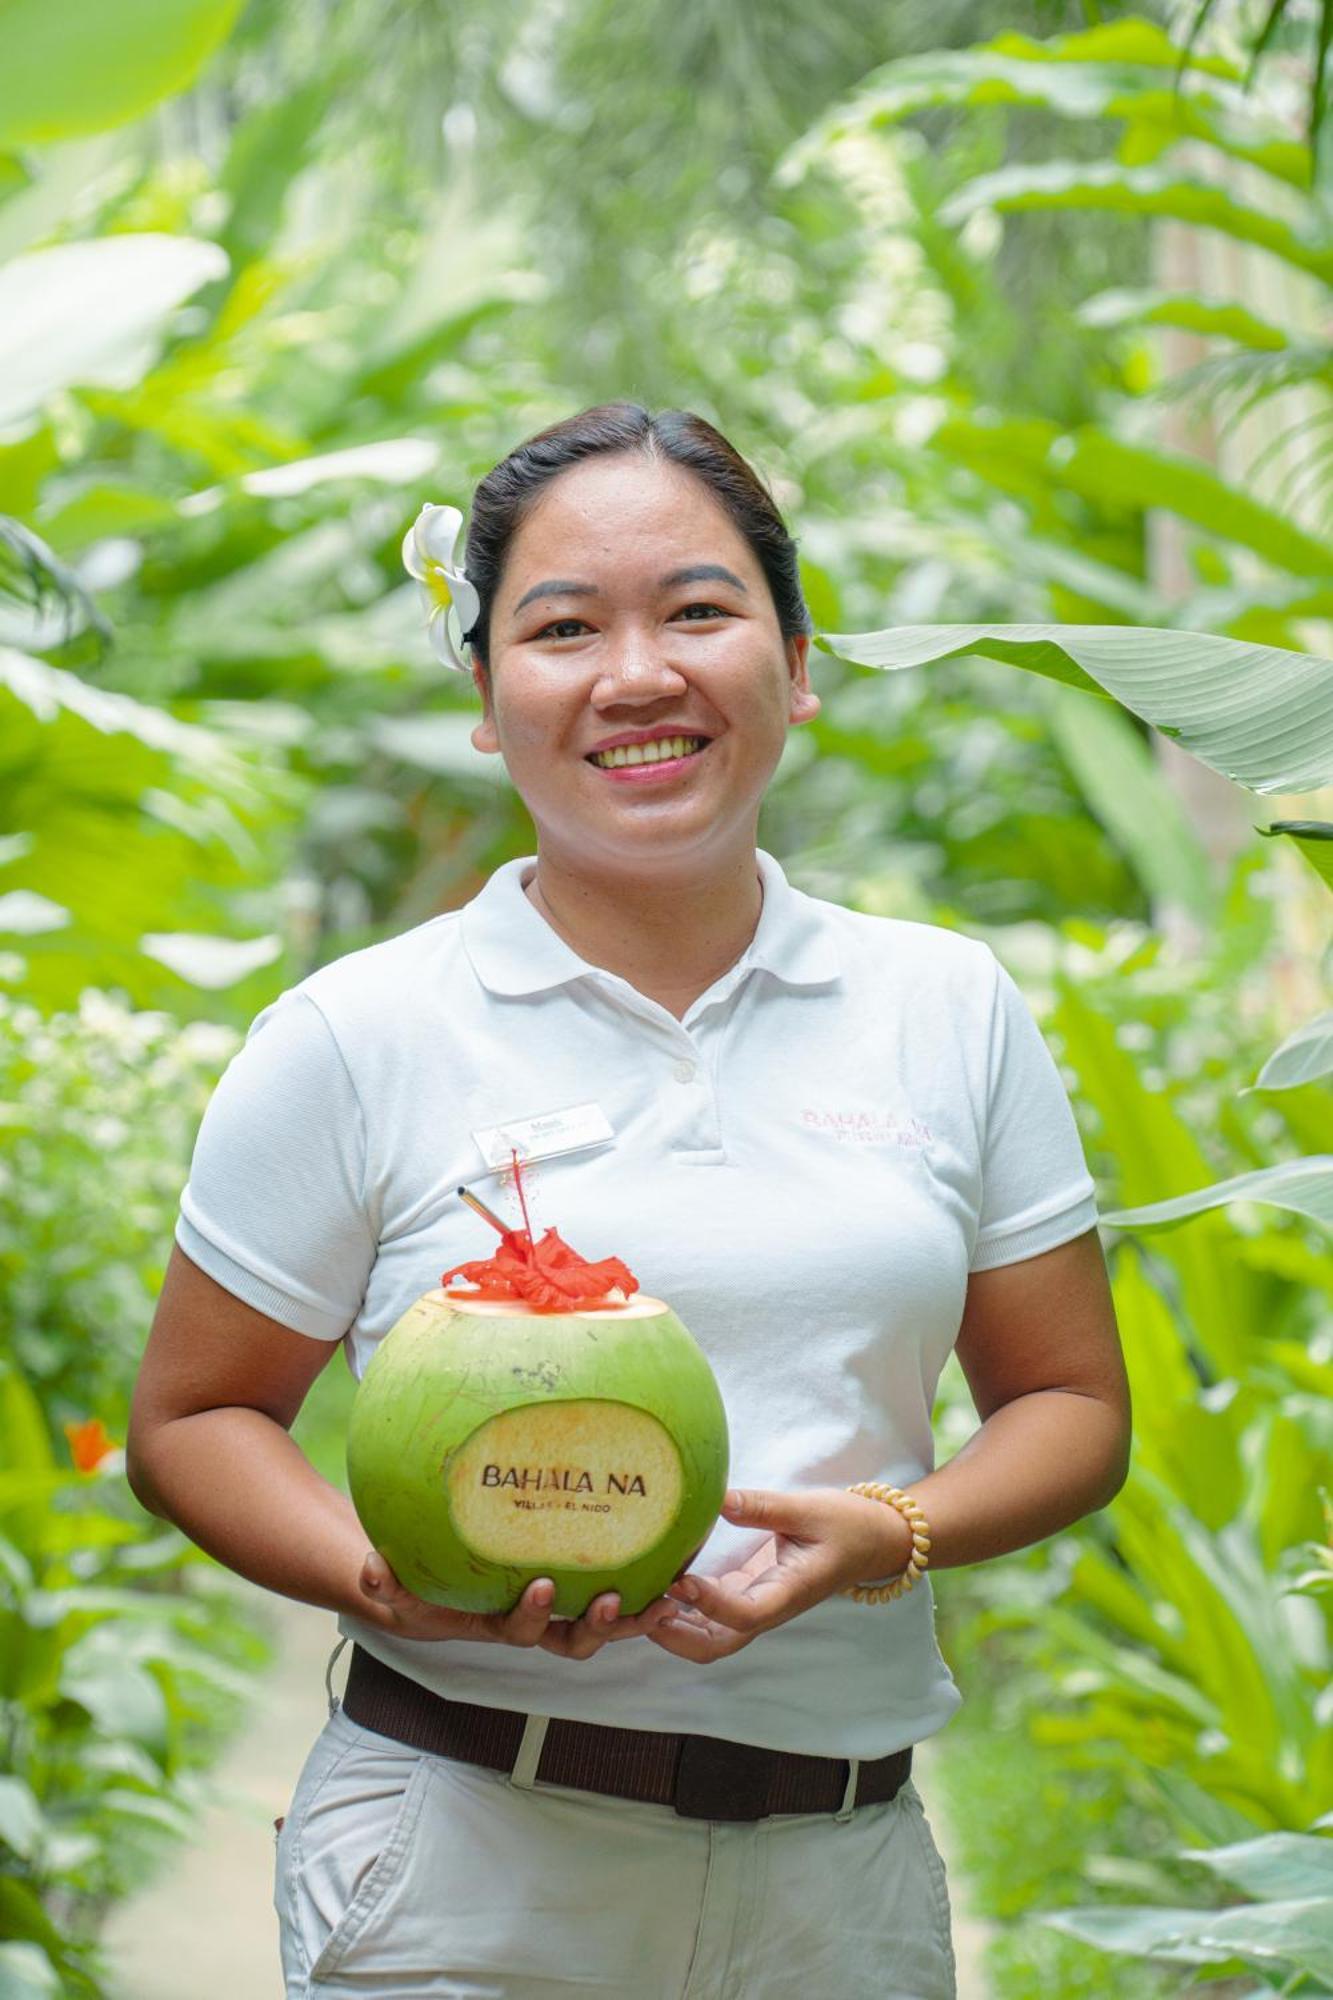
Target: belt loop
x=334, y=1703
x=848, y=1806
x=524, y=1773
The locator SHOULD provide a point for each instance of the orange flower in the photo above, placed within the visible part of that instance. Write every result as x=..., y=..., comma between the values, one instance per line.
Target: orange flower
x=89, y=1443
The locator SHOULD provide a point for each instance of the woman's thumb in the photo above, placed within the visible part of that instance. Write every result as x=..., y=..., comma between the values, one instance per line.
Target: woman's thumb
x=377, y=1579
x=760, y=1508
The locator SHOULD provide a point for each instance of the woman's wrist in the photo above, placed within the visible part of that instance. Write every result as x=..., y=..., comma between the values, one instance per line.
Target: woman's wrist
x=892, y=1540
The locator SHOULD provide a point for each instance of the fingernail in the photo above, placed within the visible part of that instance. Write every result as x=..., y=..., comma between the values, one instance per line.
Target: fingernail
x=370, y=1583
x=688, y=1589
x=543, y=1593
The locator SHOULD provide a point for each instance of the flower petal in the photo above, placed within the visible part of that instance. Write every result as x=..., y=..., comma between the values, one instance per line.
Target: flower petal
x=412, y=562
x=438, y=529
x=442, y=640
x=467, y=601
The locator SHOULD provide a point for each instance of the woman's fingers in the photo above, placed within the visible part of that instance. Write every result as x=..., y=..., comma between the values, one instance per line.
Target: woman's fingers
x=412, y=1618
x=601, y=1623
x=691, y=1636
x=528, y=1624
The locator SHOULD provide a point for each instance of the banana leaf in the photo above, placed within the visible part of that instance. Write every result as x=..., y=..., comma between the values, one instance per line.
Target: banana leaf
x=74, y=66
x=1313, y=837
x=1305, y=1055
x=1261, y=715
x=1303, y=1186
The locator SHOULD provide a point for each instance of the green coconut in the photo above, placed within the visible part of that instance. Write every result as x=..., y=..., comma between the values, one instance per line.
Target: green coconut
x=490, y=1444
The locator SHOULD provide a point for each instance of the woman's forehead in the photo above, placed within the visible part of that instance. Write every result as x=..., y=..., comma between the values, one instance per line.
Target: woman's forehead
x=625, y=509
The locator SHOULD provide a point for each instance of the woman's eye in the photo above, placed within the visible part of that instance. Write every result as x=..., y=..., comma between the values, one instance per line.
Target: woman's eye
x=705, y=610
x=562, y=628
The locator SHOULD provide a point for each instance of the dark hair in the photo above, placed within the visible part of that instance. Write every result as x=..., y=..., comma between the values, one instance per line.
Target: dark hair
x=507, y=493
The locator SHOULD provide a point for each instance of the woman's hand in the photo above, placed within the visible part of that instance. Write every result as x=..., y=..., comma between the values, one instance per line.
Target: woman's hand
x=391, y=1606
x=818, y=1543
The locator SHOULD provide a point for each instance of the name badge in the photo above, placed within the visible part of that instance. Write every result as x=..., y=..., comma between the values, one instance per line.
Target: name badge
x=549, y=1134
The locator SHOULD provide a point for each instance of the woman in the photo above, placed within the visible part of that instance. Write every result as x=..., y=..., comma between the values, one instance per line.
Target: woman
x=837, y=1144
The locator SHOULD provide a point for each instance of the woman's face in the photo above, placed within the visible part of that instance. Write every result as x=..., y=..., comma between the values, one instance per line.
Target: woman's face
x=631, y=608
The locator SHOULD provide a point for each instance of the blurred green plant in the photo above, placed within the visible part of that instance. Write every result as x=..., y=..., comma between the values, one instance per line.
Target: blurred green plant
x=98, y=1111
x=1190, y=1655
x=121, y=1658
x=1284, y=1936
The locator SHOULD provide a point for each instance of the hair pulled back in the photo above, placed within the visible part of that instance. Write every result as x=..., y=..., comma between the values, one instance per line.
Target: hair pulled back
x=507, y=493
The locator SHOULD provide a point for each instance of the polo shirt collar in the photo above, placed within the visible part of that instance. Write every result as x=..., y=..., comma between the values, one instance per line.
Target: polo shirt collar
x=513, y=950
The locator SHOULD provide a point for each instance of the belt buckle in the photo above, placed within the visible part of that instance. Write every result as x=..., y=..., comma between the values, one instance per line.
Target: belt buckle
x=716, y=1779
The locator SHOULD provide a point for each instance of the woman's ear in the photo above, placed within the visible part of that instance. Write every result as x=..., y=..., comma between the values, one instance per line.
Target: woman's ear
x=804, y=704
x=484, y=736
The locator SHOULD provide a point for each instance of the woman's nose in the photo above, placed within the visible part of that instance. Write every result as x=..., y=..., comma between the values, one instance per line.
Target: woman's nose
x=637, y=665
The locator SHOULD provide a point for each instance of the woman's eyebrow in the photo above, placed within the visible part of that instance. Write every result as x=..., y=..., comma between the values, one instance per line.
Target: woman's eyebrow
x=556, y=586
x=705, y=573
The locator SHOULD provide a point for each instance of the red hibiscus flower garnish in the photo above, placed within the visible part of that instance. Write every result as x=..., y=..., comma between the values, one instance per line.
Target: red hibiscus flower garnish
x=547, y=1275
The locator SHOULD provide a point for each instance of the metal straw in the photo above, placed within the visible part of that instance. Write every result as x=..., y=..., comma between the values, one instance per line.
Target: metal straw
x=480, y=1208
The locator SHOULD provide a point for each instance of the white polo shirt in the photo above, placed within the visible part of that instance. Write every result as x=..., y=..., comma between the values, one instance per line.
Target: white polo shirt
x=806, y=1167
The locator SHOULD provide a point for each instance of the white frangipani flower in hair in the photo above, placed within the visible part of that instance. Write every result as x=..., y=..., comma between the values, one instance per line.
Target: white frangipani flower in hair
x=428, y=557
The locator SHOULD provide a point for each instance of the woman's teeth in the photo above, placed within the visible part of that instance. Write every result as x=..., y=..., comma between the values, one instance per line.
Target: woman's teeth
x=647, y=753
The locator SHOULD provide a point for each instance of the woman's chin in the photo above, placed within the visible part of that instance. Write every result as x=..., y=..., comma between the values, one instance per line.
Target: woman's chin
x=644, y=844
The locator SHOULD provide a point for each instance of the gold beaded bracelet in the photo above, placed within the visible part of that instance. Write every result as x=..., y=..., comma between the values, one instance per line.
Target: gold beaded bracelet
x=893, y=1496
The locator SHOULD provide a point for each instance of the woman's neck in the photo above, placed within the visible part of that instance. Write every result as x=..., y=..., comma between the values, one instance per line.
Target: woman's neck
x=671, y=940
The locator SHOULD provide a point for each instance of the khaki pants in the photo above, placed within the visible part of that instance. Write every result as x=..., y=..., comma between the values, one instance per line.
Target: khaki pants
x=407, y=1875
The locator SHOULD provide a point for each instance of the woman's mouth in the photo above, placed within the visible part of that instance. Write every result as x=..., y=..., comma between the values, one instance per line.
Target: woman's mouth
x=642, y=762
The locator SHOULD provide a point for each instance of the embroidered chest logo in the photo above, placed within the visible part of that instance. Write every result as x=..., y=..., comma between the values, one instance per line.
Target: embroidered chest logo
x=868, y=1128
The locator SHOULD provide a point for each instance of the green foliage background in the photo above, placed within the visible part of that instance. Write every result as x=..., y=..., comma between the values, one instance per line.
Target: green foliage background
x=1031, y=332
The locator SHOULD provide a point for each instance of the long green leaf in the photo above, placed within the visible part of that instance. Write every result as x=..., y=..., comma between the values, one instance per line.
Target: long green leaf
x=1031, y=458
x=78, y=314
x=1313, y=837
x=1161, y=192
x=27, y=1973
x=1303, y=1186
x=1302, y=1058
x=1291, y=1934
x=84, y=772
x=73, y=66
x=1155, y=1151
x=47, y=692
x=1217, y=1583
x=1220, y=318
x=1259, y=714
x=1119, y=70
x=1123, y=783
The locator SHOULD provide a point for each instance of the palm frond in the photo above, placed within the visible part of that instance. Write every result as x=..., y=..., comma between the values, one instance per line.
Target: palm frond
x=1235, y=383
x=1280, y=12
x=33, y=576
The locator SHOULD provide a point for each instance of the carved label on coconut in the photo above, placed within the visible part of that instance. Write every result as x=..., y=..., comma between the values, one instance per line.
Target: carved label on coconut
x=591, y=1483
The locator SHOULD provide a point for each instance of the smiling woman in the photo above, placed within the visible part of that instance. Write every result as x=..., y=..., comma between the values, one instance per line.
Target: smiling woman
x=838, y=1145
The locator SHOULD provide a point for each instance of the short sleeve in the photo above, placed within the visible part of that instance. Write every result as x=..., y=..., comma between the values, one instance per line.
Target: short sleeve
x=273, y=1209
x=1036, y=1191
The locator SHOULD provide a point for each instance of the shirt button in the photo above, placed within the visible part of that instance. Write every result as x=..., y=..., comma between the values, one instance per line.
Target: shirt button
x=683, y=1072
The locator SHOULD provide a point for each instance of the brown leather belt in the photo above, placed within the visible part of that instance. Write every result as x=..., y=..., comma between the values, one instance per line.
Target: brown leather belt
x=703, y=1777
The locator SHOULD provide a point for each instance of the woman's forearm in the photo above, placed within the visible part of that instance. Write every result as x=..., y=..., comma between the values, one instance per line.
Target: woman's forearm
x=235, y=1482
x=1036, y=1465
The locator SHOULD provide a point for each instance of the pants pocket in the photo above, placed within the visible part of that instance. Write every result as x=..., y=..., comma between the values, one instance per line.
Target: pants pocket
x=377, y=1882
x=342, y=1846
x=933, y=1863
